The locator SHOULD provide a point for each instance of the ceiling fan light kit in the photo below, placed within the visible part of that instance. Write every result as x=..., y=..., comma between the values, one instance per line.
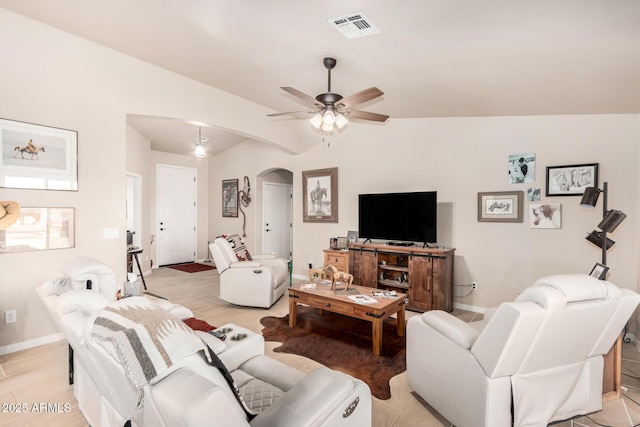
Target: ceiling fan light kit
x=332, y=110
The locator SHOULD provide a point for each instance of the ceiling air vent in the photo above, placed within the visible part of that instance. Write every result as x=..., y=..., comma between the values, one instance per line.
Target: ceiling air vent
x=354, y=25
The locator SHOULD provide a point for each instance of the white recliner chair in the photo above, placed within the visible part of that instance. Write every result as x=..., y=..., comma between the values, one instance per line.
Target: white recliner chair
x=254, y=281
x=188, y=391
x=530, y=362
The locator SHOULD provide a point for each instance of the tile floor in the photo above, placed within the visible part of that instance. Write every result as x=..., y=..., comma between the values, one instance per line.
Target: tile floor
x=36, y=379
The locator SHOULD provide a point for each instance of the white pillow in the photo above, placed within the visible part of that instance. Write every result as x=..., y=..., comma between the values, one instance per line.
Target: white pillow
x=83, y=300
x=576, y=287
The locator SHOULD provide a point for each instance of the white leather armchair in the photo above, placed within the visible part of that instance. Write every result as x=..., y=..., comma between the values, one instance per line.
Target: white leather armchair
x=191, y=392
x=259, y=282
x=536, y=360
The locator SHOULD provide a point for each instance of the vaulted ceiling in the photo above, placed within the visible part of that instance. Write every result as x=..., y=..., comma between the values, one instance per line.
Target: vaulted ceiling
x=432, y=58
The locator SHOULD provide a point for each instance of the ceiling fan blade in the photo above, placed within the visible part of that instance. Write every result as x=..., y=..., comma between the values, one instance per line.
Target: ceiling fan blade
x=302, y=96
x=285, y=113
x=366, y=115
x=362, y=96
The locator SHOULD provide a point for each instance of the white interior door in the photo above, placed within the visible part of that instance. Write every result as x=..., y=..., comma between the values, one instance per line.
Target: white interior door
x=277, y=211
x=176, y=228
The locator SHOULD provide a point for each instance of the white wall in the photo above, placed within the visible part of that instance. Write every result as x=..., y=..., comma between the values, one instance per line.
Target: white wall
x=460, y=157
x=51, y=78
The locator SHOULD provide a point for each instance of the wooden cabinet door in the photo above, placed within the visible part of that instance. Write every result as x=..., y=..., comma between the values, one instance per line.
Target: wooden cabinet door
x=420, y=283
x=364, y=267
x=442, y=275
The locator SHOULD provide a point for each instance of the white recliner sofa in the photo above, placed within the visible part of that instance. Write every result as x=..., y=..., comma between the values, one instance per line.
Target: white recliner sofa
x=530, y=362
x=189, y=391
x=259, y=281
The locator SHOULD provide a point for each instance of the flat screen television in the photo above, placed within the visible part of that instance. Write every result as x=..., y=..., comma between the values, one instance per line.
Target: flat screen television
x=398, y=217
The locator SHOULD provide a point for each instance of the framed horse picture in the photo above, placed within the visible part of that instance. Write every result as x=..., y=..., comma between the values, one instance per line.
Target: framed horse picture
x=38, y=157
x=230, y=198
x=320, y=195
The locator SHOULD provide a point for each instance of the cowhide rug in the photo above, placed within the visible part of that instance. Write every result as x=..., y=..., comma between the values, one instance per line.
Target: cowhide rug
x=341, y=343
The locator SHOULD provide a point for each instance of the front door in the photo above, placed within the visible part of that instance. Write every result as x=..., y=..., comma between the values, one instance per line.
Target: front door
x=176, y=228
x=277, y=213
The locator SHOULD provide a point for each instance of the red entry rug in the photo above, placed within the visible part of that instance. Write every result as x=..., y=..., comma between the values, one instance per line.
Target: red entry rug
x=192, y=267
x=342, y=343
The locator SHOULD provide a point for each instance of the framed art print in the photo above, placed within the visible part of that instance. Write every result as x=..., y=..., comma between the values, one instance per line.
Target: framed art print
x=571, y=180
x=599, y=271
x=230, y=198
x=40, y=229
x=545, y=215
x=320, y=195
x=38, y=157
x=500, y=206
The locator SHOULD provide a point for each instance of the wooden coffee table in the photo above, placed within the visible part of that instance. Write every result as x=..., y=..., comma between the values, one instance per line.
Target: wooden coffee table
x=324, y=298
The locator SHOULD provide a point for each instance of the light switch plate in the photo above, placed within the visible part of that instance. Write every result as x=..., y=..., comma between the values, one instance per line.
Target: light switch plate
x=110, y=233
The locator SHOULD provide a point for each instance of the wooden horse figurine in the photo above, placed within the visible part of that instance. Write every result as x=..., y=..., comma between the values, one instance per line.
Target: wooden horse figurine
x=332, y=273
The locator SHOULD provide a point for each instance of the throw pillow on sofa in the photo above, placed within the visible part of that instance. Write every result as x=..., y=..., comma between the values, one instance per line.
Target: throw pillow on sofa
x=238, y=246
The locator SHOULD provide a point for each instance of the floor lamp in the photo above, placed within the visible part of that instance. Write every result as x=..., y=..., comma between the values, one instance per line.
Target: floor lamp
x=611, y=219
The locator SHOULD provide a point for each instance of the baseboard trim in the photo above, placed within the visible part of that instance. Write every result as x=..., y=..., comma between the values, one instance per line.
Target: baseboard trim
x=24, y=345
x=467, y=307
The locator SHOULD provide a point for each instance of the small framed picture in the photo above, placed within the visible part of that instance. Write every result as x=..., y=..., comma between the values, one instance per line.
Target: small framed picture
x=521, y=168
x=571, y=180
x=230, y=198
x=333, y=242
x=545, y=215
x=599, y=271
x=352, y=236
x=342, y=243
x=500, y=206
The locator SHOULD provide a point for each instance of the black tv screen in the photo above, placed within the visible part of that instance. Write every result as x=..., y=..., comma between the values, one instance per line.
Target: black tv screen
x=407, y=217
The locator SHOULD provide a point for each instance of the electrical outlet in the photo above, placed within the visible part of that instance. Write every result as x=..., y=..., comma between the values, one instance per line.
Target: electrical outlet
x=10, y=316
x=474, y=286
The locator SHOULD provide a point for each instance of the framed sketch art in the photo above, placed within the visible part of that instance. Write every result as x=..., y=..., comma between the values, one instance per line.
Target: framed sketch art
x=320, y=195
x=38, y=157
x=500, y=206
x=571, y=180
x=230, y=198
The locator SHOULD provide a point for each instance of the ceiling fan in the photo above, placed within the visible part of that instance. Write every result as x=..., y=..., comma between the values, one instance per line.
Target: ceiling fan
x=332, y=110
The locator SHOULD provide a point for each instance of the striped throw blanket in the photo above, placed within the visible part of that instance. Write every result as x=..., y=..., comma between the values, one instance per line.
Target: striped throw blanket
x=146, y=339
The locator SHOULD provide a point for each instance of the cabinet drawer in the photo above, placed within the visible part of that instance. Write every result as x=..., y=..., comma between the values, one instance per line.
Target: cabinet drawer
x=341, y=266
x=334, y=306
x=339, y=259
